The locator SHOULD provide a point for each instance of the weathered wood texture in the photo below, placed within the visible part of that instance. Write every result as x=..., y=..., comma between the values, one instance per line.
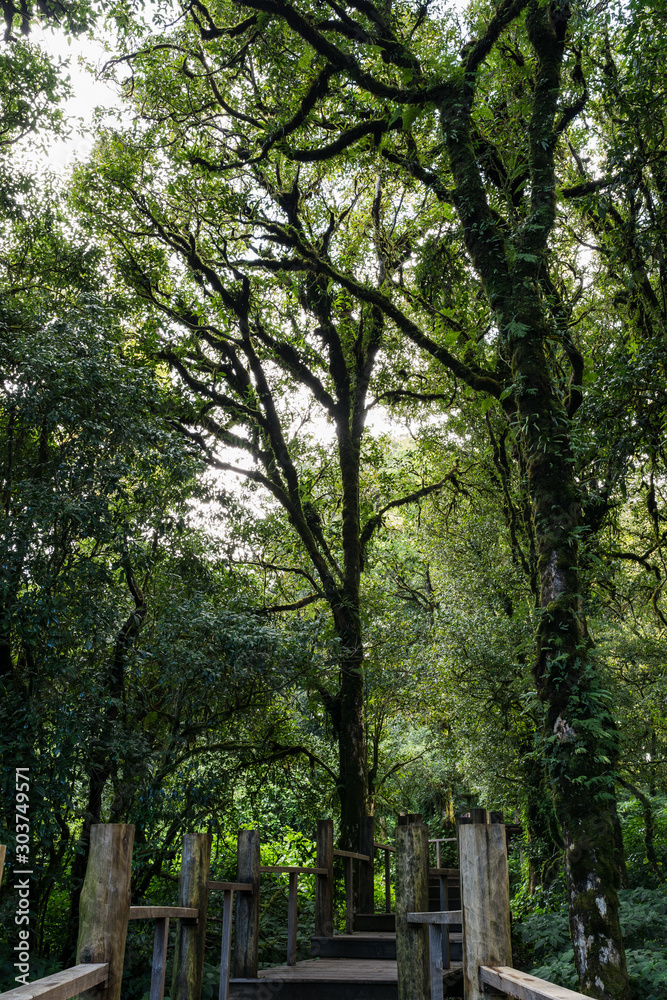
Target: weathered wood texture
x=366, y=902
x=325, y=883
x=229, y=886
x=226, y=944
x=524, y=986
x=104, y=905
x=438, y=917
x=354, y=855
x=349, y=895
x=62, y=985
x=246, y=944
x=359, y=946
x=160, y=912
x=290, y=870
x=3, y=851
x=292, y=916
x=412, y=897
x=485, y=902
x=159, y=968
x=188, y=971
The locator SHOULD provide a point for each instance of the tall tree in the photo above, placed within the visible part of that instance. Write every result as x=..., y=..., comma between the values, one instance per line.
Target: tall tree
x=477, y=127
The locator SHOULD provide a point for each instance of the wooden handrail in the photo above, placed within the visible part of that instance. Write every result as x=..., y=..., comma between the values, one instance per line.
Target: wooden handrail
x=383, y=847
x=289, y=869
x=230, y=886
x=451, y=872
x=351, y=854
x=524, y=986
x=3, y=850
x=160, y=912
x=61, y=985
x=440, y=917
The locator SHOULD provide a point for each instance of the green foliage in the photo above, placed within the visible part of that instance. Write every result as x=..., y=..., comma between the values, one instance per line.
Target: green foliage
x=644, y=923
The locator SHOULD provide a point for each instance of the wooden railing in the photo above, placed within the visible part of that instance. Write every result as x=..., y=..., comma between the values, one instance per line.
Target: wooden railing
x=62, y=985
x=437, y=961
x=388, y=851
x=161, y=915
x=522, y=985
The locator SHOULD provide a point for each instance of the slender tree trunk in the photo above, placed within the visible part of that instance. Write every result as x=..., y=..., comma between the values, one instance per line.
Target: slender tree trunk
x=649, y=828
x=353, y=788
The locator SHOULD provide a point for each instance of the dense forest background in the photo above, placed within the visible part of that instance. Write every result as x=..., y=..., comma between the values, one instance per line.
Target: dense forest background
x=333, y=435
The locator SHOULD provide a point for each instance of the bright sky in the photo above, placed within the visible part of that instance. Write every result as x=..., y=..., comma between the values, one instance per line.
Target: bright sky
x=88, y=93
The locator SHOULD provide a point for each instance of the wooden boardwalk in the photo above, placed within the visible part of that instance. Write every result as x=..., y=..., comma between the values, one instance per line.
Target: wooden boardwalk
x=332, y=979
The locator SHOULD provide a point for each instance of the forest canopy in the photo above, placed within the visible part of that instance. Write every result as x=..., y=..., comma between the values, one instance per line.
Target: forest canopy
x=333, y=439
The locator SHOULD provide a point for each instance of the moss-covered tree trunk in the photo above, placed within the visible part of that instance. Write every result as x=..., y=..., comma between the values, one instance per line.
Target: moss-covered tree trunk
x=578, y=742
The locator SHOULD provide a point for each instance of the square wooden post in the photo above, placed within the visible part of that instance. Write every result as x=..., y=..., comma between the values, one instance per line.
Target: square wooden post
x=412, y=954
x=246, y=944
x=104, y=907
x=485, y=897
x=325, y=883
x=191, y=937
x=160, y=942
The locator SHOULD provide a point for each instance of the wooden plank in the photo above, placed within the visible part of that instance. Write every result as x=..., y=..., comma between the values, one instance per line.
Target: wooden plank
x=435, y=961
x=444, y=905
x=412, y=897
x=384, y=847
x=485, y=901
x=324, y=887
x=225, y=950
x=289, y=869
x=229, y=886
x=105, y=903
x=349, y=894
x=438, y=917
x=62, y=985
x=292, y=912
x=449, y=872
x=246, y=939
x=186, y=983
x=387, y=882
x=159, y=967
x=351, y=854
x=3, y=851
x=160, y=912
x=524, y=986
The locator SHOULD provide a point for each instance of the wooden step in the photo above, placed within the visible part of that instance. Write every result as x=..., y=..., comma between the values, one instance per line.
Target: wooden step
x=331, y=979
x=376, y=945
x=375, y=922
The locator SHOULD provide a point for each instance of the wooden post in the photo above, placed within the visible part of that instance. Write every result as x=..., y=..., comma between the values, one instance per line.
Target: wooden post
x=444, y=905
x=325, y=883
x=387, y=882
x=485, y=898
x=3, y=851
x=225, y=951
x=367, y=868
x=292, y=913
x=349, y=895
x=191, y=937
x=414, y=981
x=104, y=906
x=246, y=944
x=159, y=969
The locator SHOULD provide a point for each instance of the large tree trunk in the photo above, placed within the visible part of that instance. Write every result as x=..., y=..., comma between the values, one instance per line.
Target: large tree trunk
x=579, y=741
